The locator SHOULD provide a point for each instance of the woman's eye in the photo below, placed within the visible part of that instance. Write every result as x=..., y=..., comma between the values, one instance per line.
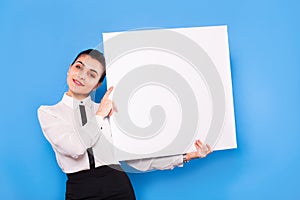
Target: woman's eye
x=92, y=75
x=78, y=66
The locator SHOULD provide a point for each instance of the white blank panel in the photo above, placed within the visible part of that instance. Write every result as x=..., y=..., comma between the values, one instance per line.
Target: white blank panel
x=172, y=86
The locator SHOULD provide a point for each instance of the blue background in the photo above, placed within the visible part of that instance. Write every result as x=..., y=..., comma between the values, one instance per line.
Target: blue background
x=39, y=39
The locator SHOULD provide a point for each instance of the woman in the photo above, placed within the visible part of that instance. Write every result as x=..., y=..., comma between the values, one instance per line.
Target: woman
x=75, y=142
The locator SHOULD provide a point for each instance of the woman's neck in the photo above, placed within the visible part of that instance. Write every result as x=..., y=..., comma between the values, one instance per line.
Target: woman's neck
x=76, y=96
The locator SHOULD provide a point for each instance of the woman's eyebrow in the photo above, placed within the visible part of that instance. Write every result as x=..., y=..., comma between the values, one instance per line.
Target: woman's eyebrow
x=80, y=62
x=94, y=71
x=84, y=65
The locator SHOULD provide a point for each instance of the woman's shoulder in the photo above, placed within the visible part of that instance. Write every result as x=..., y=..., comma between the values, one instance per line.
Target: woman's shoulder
x=51, y=109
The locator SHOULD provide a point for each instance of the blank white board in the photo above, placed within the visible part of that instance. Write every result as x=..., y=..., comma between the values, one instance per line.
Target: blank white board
x=171, y=87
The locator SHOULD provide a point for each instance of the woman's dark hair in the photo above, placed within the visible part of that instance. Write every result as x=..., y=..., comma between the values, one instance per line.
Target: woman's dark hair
x=97, y=55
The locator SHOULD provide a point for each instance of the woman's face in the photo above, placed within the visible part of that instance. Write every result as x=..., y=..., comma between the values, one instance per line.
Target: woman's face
x=83, y=76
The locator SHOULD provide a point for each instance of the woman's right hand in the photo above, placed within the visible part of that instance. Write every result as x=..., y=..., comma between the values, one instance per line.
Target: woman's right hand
x=202, y=151
x=106, y=107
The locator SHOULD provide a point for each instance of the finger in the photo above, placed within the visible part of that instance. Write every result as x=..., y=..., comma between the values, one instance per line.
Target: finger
x=106, y=95
x=202, y=146
x=200, y=142
x=110, y=112
x=106, y=104
x=202, y=155
x=114, y=107
x=198, y=145
x=209, y=148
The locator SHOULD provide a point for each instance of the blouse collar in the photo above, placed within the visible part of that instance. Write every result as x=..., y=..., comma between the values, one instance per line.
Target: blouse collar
x=72, y=102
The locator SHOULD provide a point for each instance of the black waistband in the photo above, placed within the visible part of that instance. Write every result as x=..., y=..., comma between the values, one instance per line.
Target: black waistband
x=99, y=171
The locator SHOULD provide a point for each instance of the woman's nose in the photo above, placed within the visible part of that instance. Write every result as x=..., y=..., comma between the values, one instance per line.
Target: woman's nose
x=81, y=75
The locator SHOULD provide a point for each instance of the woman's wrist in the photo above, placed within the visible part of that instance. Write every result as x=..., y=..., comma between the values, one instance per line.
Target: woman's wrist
x=190, y=156
x=100, y=114
x=187, y=157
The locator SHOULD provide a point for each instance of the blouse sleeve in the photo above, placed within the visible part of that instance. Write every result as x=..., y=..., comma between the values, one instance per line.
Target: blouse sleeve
x=60, y=134
x=161, y=163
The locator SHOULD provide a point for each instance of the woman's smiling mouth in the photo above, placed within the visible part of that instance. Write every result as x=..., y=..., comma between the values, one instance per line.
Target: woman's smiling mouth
x=78, y=83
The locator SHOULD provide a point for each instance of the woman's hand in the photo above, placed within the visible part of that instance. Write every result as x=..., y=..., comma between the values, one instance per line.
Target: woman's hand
x=202, y=151
x=106, y=107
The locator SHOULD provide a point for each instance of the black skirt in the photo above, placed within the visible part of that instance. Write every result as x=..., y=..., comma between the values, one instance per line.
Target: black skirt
x=105, y=182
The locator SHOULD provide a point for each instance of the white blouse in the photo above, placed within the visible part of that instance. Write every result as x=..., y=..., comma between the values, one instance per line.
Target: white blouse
x=61, y=125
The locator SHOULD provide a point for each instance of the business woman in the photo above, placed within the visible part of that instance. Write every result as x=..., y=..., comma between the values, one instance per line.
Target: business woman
x=76, y=140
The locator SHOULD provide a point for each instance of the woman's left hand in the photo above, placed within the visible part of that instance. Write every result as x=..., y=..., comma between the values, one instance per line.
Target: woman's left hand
x=202, y=151
x=106, y=107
